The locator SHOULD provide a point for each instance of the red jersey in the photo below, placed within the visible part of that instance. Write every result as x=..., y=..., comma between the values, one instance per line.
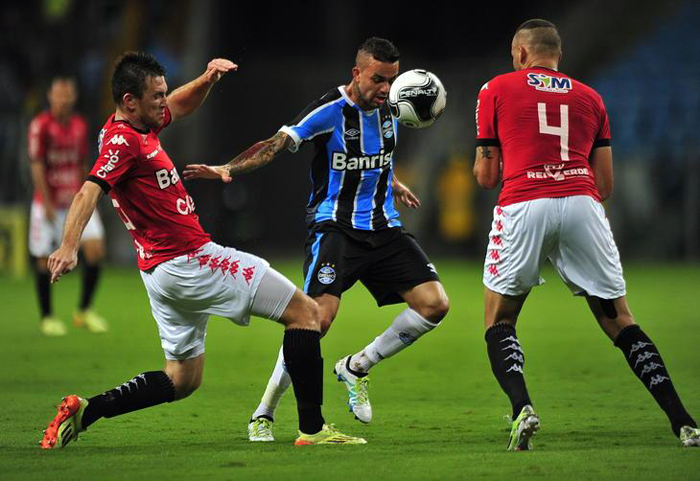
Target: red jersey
x=147, y=192
x=546, y=125
x=62, y=148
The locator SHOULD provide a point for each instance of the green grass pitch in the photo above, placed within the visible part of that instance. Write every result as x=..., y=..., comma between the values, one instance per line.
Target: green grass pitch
x=438, y=411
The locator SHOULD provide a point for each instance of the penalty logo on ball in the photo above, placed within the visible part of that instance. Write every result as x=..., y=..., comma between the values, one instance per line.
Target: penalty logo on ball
x=326, y=274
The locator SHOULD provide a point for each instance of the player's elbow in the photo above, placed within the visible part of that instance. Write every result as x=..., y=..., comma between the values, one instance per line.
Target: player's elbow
x=605, y=190
x=485, y=179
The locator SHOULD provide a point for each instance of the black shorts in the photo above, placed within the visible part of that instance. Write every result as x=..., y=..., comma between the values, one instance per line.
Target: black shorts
x=387, y=262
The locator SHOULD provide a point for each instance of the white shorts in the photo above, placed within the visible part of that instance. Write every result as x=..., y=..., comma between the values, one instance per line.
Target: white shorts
x=45, y=236
x=214, y=280
x=572, y=232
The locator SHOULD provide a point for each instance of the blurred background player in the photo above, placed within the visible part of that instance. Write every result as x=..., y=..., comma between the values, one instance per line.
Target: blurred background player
x=546, y=136
x=354, y=227
x=58, y=155
x=187, y=277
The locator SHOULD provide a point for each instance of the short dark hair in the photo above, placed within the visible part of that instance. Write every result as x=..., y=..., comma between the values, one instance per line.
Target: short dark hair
x=545, y=40
x=130, y=72
x=63, y=77
x=381, y=49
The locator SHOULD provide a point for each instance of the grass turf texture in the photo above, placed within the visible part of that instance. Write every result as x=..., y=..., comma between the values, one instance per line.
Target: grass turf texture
x=438, y=411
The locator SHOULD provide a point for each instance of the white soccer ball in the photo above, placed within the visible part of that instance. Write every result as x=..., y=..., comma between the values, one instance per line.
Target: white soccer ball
x=417, y=98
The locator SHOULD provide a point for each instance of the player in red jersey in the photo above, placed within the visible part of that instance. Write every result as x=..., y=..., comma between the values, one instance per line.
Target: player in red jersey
x=546, y=137
x=58, y=154
x=187, y=276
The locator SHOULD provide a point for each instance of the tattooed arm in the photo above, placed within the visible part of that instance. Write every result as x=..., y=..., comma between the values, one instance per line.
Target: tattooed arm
x=487, y=166
x=253, y=158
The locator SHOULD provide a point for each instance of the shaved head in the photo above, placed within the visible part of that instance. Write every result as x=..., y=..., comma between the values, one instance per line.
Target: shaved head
x=540, y=37
x=377, y=48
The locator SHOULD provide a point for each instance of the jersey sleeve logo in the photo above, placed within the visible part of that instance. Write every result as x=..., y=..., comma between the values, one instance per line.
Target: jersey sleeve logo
x=118, y=140
x=112, y=157
x=547, y=83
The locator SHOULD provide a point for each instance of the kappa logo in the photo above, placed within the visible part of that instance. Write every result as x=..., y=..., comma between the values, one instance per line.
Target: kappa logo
x=547, y=83
x=352, y=134
x=326, y=274
x=515, y=367
x=118, y=140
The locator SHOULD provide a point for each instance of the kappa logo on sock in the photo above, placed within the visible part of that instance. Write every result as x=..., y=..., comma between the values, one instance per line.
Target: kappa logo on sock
x=650, y=367
x=636, y=347
x=516, y=357
x=514, y=346
x=406, y=338
x=515, y=367
x=658, y=379
x=644, y=357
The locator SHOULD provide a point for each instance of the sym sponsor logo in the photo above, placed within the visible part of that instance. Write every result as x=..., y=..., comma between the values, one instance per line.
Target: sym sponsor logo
x=547, y=83
x=340, y=161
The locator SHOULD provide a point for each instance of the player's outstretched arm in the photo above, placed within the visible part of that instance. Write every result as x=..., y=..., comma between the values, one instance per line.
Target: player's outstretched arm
x=186, y=99
x=602, y=166
x=487, y=166
x=404, y=194
x=253, y=158
x=65, y=258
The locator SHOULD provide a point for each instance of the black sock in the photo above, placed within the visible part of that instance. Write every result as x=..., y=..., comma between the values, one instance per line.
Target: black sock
x=145, y=390
x=302, y=356
x=91, y=272
x=646, y=363
x=507, y=362
x=43, y=289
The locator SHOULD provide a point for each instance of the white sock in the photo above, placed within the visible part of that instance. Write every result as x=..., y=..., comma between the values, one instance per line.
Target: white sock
x=404, y=331
x=276, y=387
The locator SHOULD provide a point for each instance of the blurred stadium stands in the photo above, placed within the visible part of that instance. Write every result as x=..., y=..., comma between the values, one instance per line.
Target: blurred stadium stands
x=642, y=56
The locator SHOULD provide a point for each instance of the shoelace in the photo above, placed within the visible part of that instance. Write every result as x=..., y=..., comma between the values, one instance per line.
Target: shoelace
x=359, y=391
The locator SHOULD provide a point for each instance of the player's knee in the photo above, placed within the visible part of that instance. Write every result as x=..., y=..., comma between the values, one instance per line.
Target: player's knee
x=42, y=265
x=434, y=308
x=93, y=251
x=184, y=386
x=308, y=316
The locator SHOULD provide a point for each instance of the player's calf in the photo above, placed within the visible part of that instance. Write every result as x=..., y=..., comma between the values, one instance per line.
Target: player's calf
x=645, y=361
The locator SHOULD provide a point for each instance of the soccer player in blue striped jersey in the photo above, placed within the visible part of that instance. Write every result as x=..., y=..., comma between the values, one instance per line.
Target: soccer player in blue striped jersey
x=354, y=227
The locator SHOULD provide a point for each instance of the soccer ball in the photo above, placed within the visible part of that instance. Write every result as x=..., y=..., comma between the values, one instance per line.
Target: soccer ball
x=417, y=98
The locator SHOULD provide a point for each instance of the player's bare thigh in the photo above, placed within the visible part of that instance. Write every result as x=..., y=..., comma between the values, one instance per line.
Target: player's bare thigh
x=186, y=375
x=428, y=299
x=302, y=312
x=500, y=308
x=612, y=315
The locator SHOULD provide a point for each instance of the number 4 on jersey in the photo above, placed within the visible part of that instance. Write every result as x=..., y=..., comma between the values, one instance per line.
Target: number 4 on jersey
x=562, y=131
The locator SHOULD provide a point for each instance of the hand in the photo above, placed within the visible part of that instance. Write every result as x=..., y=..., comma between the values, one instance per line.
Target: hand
x=62, y=262
x=217, y=68
x=405, y=195
x=203, y=171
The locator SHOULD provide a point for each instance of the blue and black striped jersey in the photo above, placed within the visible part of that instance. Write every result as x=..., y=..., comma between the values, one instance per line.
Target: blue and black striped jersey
x=352, y=168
